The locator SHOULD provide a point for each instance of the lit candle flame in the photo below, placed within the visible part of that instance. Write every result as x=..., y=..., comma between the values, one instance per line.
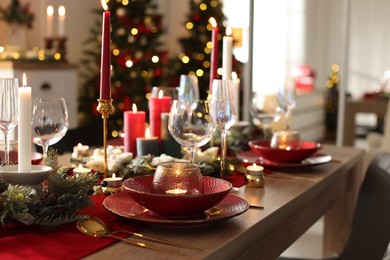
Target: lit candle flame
x=61, y=10
x=254, y=165
x=213, y=22
x=24, y=80
x=113, y=176
x=234, y=75
x=104, y=5
x=147, y=133
x=160, y=93
x=80, y=166
x=134, y=108
x=80, y=145
x=50, y=10
x=228, y=31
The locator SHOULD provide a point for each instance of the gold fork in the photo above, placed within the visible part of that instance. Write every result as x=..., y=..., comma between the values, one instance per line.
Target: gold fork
x=154, y=239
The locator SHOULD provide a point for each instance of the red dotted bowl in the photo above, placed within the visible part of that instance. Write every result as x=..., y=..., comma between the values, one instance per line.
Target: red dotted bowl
x=141, y=190
x=304, y=150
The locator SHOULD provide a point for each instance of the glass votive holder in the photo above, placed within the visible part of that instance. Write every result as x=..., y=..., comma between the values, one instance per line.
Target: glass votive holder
x=285, y=140
x=255, y=176
x=178, y=178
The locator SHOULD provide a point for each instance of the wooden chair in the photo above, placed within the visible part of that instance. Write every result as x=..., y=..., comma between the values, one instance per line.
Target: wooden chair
x=370, y=231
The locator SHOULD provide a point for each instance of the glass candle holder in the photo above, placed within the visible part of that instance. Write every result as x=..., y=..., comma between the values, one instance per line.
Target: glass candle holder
x=178, y=178
x=285, y=140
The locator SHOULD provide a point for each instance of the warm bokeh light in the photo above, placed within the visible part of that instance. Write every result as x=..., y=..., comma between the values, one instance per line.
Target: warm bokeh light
x=189, y=25
x=155, y=59
x=50, y=10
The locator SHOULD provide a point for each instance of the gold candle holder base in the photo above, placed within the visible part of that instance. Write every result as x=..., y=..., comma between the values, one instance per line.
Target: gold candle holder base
x=105, y=108
x=255, y=181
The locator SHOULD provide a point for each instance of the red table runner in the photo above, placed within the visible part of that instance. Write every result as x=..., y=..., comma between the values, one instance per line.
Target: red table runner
x=66, y=242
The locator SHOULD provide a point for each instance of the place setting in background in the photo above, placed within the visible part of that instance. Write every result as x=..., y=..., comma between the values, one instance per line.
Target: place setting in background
x=282, y=149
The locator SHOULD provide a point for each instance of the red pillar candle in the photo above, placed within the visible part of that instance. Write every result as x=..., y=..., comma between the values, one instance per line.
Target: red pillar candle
x=134, y=127
x=214, y=53
x=105, y=62
x=158, y=105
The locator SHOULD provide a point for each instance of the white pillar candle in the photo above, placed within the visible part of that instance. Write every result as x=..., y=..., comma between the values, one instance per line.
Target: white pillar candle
x=61, y=21
x=49, y=21
x=227, y=54
x=24, y=127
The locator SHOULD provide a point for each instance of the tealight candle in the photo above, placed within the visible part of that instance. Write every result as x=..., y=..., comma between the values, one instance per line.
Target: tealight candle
x=176, y=191
x=80, y=150
x=255, y=169
x=113, y=181
x=81, y=169
x=255, y=176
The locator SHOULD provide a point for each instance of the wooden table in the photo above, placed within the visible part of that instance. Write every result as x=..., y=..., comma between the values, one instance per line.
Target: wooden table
x=352, y=107
x=293, y=202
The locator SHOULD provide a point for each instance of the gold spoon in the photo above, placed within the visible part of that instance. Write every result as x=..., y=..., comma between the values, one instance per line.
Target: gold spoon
x=154, y=239
x=92, y=228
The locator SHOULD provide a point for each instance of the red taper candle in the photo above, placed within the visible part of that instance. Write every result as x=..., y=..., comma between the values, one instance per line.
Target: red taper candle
x=105, y=62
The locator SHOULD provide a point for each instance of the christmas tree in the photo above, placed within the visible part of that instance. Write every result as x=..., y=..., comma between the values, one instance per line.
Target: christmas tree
x=137, y=60
x=196, y=48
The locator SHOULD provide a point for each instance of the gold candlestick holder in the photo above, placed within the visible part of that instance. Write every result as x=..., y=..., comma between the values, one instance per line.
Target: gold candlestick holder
x=105, y=108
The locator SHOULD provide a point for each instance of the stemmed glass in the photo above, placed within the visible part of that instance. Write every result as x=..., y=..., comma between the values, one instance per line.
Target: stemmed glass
x=190, y=124
x=287, y=100
x=222, y=112
x=188, y=88
x=49, y=122
x=8, y=110
x=266, y=109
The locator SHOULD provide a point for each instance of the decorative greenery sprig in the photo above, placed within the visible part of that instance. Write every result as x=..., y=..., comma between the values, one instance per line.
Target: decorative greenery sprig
x=58, y=203
x=16, y=13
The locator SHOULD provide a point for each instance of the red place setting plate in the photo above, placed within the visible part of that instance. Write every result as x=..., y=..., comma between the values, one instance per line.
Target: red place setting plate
x=293, y=155
x=122, y=204
x=314, y=160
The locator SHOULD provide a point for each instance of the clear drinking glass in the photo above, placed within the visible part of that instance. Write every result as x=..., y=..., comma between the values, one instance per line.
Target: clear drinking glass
x=189, y=88
x=267, y=110
x=287, y=99
x=223, y=112
x=8, y=110
x=49, y=121
x=190, y=124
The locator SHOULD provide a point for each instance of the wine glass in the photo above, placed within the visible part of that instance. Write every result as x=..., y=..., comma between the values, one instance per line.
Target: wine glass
x=8, y=110
x=190, y=124
x=188, y=88
x=287, y=100
x=49, y=122
x=266, y=109
x=223, y=112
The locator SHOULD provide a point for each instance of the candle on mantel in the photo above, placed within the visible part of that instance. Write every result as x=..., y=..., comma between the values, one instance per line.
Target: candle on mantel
x=24, y=127
x=105, y=62
x=61, y=21
x=158, y=105
x=147, y=145
x=214, y=52
x=227, y=54
x=134, y=127
x=49, y=21
x=236, y=93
